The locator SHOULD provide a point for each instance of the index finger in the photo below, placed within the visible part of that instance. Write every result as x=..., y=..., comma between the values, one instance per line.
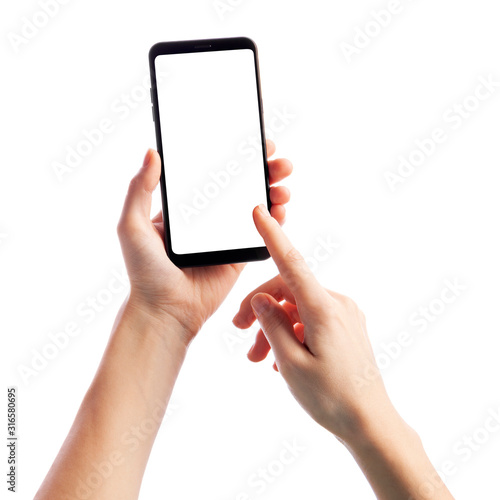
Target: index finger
x=291, y=265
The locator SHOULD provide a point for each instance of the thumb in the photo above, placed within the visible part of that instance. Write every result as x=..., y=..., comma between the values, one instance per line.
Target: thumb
x=137, y=207
x=277, y=327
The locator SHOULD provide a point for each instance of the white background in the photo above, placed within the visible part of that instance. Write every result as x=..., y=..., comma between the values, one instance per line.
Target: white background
x=351, y=122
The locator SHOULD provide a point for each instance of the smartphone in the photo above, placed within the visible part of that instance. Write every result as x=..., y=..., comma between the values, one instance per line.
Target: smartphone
x=207, y=109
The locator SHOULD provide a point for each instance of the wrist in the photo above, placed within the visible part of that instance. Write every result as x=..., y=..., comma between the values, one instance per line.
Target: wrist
x=379, y=430
x=158, y=324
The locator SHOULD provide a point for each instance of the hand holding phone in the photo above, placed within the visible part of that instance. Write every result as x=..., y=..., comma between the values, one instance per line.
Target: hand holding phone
x=158, y=287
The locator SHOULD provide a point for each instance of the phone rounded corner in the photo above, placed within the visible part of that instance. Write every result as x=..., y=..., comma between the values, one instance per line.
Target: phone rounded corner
x=173, y=257
x=262, y=253
x=249, y=43
x=154, y=52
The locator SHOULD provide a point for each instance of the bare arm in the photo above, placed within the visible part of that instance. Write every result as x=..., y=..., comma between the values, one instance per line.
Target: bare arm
x=107, y=448
x=321, y=346
x=391, y=456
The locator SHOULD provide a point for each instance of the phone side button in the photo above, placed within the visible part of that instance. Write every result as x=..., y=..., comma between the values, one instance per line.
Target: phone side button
x=153, y=113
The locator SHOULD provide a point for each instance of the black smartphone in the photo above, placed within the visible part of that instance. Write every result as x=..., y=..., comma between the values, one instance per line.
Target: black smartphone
x=207, y=109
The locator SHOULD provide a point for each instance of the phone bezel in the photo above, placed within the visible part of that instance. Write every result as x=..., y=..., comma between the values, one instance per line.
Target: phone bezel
x=206, y=45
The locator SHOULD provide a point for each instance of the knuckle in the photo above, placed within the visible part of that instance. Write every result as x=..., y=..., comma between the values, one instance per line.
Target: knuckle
x=120, y=227
x=134, y=182
x=270, y=323
x=293, y=256
x=126, y=226
x=347, y=303
x=292, y=365
x=321, y=303
x=277, y=293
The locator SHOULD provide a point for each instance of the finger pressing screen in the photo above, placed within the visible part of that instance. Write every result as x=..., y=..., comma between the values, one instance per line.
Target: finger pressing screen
x=291, y=265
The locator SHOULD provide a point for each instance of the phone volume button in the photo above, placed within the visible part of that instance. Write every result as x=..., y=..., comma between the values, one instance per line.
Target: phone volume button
x=153, y=113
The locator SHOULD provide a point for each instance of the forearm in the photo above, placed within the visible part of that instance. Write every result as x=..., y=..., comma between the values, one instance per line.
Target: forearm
x=108, y=446
x=392, y=457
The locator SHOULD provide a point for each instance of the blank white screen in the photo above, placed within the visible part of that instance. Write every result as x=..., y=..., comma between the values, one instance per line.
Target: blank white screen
x=210, y=127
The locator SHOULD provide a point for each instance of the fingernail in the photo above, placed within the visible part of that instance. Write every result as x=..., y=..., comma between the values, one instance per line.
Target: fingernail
x=259, y=304
x=147, y=158
x=264, y=210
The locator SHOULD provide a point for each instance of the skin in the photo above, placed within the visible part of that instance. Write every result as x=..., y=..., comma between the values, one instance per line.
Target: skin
x=318, y=338
x=322, y=350
x=122, y=410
